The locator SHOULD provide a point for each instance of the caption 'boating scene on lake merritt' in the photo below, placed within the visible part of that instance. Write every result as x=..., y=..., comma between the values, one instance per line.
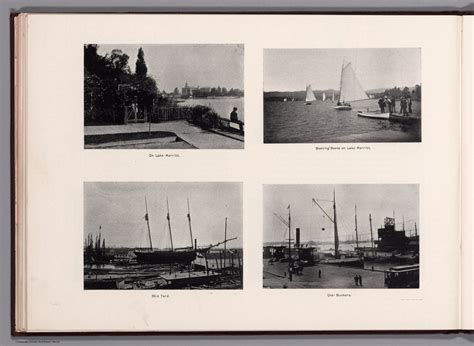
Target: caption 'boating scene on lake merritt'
x=341, y=236
x=164, y=96
x=342, y=95
x=162, y=236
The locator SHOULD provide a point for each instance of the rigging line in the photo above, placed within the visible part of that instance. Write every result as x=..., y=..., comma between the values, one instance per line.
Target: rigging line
x=322, y=200
x=315, y=202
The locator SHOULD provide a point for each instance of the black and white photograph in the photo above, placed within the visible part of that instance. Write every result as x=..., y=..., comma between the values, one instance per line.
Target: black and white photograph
x=150, y=235
x=363, y=95
x=341, y=236
x=164, y=96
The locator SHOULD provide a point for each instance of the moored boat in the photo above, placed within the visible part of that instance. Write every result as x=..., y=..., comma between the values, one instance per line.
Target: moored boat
x=374, y=115
x=166, y=256
x=345, y=107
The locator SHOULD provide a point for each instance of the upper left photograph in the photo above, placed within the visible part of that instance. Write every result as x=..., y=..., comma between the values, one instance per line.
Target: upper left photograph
x=164, y=96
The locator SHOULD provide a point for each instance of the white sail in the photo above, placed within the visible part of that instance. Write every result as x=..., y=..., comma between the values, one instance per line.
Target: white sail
x=324, y=96
x=309, y=94
x=351, y=90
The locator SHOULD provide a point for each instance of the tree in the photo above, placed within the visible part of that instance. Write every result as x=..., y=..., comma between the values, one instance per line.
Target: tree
x=224, y=91
x=176, y=91
x=140, y=66
x=219, y=90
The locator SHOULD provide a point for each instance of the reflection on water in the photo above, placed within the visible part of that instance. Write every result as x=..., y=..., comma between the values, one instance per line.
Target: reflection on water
x=295, y=122
x=222, y=106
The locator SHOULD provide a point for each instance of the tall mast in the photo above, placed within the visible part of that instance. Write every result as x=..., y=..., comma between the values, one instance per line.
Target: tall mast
x=404, y=224
x=416, y=231
x=357, y=236
x=190, y=228
x=169, y=223
x=289, y=244
x=148, y=224
x=225, y=240
x=371, y=235
x=340, y=82
x=336, y=236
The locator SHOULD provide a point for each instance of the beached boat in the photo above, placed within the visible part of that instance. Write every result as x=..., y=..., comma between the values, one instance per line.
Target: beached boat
x=309, y=95
x=350, y=88
x=374, y=115
x=166, y=256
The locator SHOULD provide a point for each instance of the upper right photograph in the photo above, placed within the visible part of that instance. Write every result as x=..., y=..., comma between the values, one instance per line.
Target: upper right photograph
x=363, y=95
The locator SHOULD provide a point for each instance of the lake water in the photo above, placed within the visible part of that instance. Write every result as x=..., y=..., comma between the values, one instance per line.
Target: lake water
x=295, y=122
x=222, y=106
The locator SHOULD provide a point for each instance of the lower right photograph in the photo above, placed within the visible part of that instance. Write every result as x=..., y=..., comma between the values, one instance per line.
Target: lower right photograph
x=341, y=236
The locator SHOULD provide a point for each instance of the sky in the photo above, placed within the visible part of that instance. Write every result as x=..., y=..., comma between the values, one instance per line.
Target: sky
x=120, y=209
x=205, y=65
x=293, y=69
x=379, y=200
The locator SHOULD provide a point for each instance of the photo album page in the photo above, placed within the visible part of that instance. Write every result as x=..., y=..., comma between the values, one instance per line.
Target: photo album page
x=242, y=173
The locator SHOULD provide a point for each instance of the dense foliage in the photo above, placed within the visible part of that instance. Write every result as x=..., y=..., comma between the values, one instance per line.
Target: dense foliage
x=109, y=85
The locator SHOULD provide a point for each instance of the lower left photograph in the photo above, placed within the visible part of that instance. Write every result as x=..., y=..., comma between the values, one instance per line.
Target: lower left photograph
x=163, y=235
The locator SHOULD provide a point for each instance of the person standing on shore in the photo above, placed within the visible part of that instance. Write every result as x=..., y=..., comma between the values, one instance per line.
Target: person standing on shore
x=409, y=104
x=388, y=103
x=234, y=117
x=381, y=105
x=403, y=106
x=356, y=279
x=393, y=104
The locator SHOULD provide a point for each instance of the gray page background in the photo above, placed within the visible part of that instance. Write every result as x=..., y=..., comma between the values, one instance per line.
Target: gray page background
x=6, y=6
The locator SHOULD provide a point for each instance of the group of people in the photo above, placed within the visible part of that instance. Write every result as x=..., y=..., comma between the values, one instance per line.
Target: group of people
x=388, y=104
x=358, y=280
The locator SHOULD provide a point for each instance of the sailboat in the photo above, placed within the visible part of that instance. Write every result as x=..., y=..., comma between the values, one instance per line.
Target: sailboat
x=324, y=96
x=309, y=95
x=350, y=88
x=169, y=256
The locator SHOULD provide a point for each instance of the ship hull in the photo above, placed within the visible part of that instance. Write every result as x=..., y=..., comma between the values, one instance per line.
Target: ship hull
x=165, y=257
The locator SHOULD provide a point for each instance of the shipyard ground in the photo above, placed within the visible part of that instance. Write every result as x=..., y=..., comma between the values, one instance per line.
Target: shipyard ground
x=166, y=135
x=275, y=275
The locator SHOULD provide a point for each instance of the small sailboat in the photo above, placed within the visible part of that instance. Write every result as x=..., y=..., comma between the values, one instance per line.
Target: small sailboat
x=324, y=96
x=309, y=95
x=350, y=88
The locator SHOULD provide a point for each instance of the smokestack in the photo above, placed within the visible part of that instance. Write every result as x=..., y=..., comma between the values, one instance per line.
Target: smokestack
x=297, y=243
x=195, y=243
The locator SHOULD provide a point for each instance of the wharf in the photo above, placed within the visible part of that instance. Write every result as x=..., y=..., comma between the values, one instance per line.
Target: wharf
x=332, y=276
